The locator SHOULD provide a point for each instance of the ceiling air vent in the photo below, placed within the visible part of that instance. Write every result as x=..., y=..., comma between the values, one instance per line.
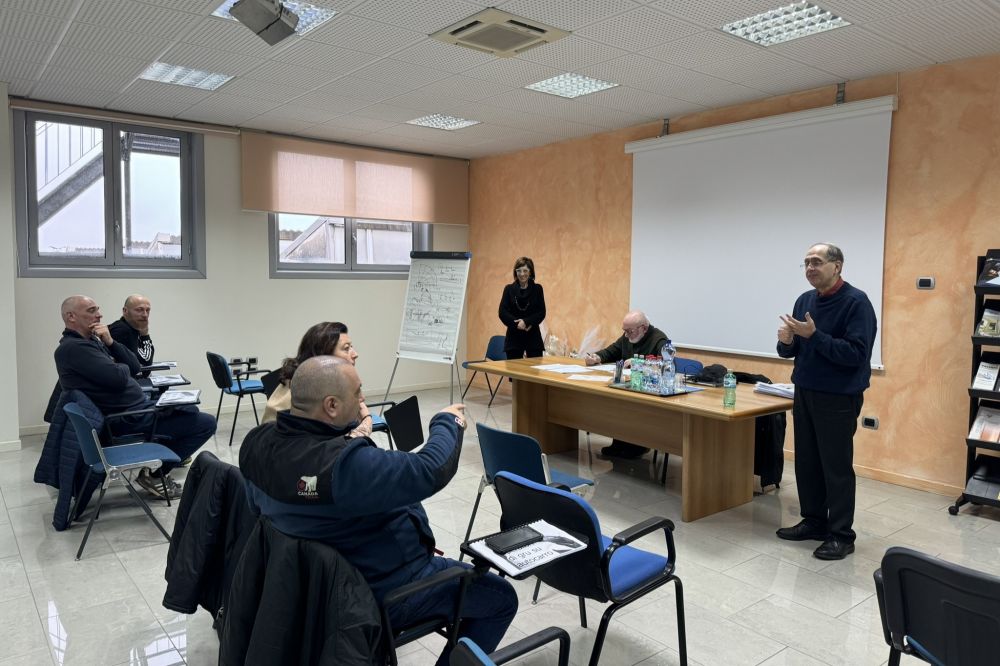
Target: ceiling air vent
x=502, y=34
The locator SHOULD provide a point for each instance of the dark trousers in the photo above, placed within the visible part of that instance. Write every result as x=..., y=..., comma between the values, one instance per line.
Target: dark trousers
x=825, y=424
x=489, y=607
x=521, y=352
x=187, y=428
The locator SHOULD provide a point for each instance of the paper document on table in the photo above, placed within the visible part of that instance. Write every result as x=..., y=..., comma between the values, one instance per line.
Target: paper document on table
x=176, y=397
x=563, y=368
x=780, y=390
x=604, y=367
x=167, y=380
x=555, y=543
x=591, y=378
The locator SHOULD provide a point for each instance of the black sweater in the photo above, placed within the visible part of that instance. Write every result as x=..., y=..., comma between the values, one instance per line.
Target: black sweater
x=622, y=350
x=137, y=343
x=527, y=304
x=105, y=374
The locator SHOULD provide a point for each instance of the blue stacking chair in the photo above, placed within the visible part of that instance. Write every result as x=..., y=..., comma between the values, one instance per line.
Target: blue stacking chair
x=238, y=385
x=687, y=366
x=513, y=452
x=467, y=653
x=494, y=352
x=609, y=569
x=113, y=462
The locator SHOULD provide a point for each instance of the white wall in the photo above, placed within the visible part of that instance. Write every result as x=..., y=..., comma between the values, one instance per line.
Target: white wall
x=9, y=438
x=236, y=311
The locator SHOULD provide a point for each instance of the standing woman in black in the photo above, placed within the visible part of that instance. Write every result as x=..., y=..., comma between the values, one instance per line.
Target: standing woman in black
x=522, y=309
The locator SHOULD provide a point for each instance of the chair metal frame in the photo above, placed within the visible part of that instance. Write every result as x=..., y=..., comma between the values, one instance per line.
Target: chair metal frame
x=95, y=456
x=237, y=377
x=467, y=653
x=587, y=574
x=494, y=352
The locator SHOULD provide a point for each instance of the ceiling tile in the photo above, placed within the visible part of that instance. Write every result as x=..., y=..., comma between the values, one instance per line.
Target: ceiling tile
x=324, y=56
x=276, y=92
x=127, y=44
x=402, y=74
x=851, y=53
x=700, y=88
x=228, y=109
x=16, y=69
x=225, y=35
x=967, y=45
x=153, y=107
x=716, y=14
x=361, y=34
x=627, y=70
x=57, y=8
x=702, y=48
x=271, y=124
x=461, y=87
x=210, y=60
x=865, y=11
x=58, y=92
x=150, y=94
x=330, y=133
x=351, y=86
x=639, y=29
x=31, y=27
x=20, y=87
x=633, y=100
x=201, y=7
x=512, y=72
x=12, y=48
x=567, y=14
x=769, y=72
x=108, y=64
x=439, y=55
x=136, y=17
x=427, y=16
x=293, y=75
x=933, y=23
x=361, y=124
x=58, y=76
x=302, y=113
x=571, y=53
x=390, y=112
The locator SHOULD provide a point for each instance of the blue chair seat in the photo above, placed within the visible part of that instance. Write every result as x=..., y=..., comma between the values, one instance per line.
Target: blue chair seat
x=249, y=386
x=568, y=480
x=132, y=454
x=631, y=567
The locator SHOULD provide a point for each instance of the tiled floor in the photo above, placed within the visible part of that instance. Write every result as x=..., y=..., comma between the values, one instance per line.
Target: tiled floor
x=750, y=598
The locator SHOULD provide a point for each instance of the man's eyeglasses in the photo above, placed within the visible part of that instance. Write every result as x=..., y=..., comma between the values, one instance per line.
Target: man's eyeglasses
x=633, y=330
x=813, y=263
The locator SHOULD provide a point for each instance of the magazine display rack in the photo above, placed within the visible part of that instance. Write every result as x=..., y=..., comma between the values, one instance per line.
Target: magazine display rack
x=982, y=471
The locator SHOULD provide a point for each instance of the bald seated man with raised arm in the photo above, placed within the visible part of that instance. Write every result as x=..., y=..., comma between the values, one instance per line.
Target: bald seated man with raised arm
x=132, y=330
x=638, y=337
x=88, y=359
x=314, y=481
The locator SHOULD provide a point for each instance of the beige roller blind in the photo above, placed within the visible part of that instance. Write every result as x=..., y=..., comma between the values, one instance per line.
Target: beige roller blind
x=288, y=175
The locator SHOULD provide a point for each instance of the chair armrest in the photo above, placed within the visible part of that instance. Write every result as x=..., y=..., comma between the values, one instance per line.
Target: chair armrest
x=560, y=486
x=400, y=593
x=386, y=403
x=131, y=412
x=532, y=642
x=640, y=530
x=880, y=595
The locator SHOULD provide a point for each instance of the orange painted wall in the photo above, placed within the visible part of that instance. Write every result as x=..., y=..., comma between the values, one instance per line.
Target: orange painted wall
x=568, y=206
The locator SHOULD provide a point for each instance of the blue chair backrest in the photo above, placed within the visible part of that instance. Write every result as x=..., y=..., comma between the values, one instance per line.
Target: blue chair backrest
x=222, y=374
x=494, y=350
x=85, y=434
x=688, y=366
x=524, y=501
x=510, y=452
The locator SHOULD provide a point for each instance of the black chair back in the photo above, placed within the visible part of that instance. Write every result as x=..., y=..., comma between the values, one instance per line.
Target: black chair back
x=405, y=425
x=270, y=381
x=579, y=574
x=222, y=374
x=938, y=611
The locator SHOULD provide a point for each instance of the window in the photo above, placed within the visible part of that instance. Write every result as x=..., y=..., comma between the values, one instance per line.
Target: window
x=100, y=196
x=312, y=245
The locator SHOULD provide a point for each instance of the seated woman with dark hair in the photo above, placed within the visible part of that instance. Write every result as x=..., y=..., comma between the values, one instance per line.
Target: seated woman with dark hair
x=328, y=338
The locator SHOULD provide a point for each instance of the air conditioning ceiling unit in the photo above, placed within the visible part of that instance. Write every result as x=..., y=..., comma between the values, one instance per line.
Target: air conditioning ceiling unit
x=499, y=33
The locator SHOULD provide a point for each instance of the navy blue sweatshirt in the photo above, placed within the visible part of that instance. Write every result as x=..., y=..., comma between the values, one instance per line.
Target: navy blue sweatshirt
x=837, y=357
x=104, y=373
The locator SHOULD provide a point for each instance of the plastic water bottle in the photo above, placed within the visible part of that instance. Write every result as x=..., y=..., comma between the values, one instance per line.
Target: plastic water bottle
x=668, y=373
x=635, y=379
x=729, y=386
x=653, y=375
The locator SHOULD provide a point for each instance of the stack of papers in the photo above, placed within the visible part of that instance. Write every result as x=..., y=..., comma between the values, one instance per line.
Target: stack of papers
x=167, y=380
x=780, y=390
x=555, y=543
x=170, y=398
x=562, y=368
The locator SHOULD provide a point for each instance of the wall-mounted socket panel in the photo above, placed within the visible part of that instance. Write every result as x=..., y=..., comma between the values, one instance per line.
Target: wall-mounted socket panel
x=870, y=422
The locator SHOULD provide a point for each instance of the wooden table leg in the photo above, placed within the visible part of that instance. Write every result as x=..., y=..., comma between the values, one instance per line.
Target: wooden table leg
x=530, y=417
x=717, y=473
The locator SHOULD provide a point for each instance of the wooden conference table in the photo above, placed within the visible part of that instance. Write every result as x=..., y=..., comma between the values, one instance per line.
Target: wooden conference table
x=716, y=443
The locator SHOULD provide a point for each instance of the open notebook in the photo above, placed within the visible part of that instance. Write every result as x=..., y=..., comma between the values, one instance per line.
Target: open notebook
x=555, y=543
x=170, y=398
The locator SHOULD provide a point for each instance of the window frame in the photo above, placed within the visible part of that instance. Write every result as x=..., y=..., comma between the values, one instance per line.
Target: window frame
x=422, y=235
x=114, y=263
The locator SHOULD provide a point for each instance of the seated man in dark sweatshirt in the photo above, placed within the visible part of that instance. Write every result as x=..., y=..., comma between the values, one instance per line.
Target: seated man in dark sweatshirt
x=88, y=359
x=132, y=330
x=638, y=337
x=314, y=481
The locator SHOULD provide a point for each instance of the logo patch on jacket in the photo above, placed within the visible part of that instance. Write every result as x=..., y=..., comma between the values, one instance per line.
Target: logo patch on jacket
x=307, y=486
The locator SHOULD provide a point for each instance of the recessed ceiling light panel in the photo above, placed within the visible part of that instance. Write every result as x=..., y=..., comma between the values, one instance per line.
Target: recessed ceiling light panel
x=184, y=76
x=798, y=19
x=310, y=16
x=570, y=85
x=442, y=122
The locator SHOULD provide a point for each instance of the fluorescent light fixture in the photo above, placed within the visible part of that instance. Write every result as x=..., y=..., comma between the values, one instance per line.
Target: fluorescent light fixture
x=310, y=16
x=570, y=85
x=184, y=76
x=798, y=19
x=442, y=122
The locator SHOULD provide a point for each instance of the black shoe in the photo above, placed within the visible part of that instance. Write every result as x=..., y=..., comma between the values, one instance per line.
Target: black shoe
x=833, y=549
x=802, y=532
x=624, y=450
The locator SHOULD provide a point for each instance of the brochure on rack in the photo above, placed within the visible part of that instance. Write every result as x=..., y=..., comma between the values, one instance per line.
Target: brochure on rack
x=555, y=543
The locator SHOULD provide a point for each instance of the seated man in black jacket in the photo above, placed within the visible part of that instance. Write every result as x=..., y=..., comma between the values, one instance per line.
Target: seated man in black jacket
x=88, y=359
x=132, y=330
x=314, y=481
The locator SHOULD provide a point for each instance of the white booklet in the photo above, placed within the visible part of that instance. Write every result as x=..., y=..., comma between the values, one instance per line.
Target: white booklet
x=781, y=390
x=170, y=398
x=167, y=380
x=555, y=543
x=986, y=376
x=986, y=427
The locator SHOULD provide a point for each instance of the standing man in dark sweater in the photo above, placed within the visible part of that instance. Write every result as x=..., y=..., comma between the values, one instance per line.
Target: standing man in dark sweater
x=830, y=334
x=88, y=359
x=132, y=330
x=638, y=337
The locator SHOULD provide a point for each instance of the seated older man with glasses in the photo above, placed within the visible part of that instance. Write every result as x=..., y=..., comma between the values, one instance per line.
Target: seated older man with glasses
x=638, y=337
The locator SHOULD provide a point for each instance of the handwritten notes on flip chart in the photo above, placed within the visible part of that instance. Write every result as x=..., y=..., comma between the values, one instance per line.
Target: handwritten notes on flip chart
x=432, y=312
